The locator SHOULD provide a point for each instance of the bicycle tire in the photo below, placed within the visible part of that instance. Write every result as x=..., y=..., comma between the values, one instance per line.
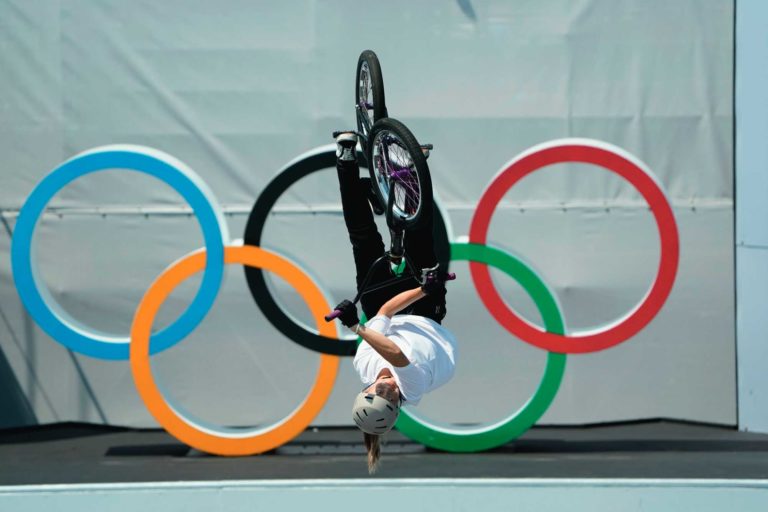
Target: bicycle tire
x=310, y=163
x=404, y=138
x=370, y=62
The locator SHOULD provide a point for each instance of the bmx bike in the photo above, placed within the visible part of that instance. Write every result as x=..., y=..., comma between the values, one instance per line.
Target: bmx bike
x=398, y=172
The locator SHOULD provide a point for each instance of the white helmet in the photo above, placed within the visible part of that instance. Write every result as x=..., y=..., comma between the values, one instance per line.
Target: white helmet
x=374, y=414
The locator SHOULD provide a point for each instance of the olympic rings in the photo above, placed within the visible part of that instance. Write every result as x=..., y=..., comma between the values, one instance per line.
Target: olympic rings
x=629, y=168
x=318, y=159
x=228, y=441
x=554, y=338
x=501, y=432
x=49, y=314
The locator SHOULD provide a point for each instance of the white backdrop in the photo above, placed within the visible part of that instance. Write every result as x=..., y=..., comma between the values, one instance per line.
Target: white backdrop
x=237, y=89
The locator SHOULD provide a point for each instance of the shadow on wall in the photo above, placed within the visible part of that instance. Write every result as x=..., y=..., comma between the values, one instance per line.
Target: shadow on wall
x=466, y=8
x=15, y=410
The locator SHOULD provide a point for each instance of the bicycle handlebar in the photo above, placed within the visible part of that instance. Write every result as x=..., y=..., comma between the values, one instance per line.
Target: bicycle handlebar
x=333, y=315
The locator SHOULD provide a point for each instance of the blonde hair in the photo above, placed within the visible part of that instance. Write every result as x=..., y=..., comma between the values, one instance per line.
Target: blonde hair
x=373, y=441
x=373, y=447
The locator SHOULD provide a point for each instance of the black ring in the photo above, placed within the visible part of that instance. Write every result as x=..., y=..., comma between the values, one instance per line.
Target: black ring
x=255, y=277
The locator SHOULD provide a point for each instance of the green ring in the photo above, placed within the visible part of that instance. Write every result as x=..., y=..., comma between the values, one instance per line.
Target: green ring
x=499, y=433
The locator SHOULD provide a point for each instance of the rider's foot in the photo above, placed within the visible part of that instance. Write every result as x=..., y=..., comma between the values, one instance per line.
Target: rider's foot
x=373, y=199
x=346, y=146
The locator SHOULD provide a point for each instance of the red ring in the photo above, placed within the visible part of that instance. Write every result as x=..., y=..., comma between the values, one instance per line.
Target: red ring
x=619, y=162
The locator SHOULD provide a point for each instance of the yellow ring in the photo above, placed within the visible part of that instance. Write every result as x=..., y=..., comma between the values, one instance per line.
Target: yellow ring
x=206, y=439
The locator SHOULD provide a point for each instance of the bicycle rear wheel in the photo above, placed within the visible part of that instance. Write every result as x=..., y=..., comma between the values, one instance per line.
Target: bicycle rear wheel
x=369, y=95
x=399, y=172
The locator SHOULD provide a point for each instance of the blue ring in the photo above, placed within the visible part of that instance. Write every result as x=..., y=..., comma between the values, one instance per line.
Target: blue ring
x=47, y=312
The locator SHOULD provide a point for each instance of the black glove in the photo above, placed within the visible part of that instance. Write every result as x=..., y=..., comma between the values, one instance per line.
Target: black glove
x=348, y=314
x=433, y=281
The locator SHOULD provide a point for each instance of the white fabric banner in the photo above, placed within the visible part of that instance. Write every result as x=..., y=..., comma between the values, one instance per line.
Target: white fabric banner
x=236, y=89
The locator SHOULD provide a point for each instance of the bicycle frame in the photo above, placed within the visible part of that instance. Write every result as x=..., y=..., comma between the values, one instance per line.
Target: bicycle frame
x=386, y=259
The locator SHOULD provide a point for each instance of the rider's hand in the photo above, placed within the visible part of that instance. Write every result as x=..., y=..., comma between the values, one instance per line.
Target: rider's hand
x=348, y=314
x=433, y=281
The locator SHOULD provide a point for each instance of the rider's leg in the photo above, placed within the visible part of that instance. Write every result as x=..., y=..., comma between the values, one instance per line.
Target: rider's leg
x=420, y=248
x=367, y=244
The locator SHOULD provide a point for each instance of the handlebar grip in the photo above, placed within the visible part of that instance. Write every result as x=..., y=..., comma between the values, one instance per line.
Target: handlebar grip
x=450, y=276
x=332, y=315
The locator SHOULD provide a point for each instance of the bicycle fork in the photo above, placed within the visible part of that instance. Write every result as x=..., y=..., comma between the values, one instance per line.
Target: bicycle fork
x=397, y=247
x=396, y=225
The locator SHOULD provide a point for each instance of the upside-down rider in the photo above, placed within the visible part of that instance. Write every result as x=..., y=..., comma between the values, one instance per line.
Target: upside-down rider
x=405, y=352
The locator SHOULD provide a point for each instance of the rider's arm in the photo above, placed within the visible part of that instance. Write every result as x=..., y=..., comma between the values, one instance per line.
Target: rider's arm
x=383, y=345
x=387, y=348
x=400, y=302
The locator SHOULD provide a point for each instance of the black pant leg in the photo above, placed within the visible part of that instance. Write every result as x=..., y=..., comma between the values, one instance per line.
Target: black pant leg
x=420, y=248
x=367, y=244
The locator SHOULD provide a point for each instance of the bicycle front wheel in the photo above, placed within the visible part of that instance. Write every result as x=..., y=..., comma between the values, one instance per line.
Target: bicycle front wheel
x=369, y=94
x=399, y=172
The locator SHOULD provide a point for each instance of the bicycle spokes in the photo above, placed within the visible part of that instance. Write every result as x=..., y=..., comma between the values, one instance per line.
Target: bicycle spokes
x=396, y=175
x=404, y=182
